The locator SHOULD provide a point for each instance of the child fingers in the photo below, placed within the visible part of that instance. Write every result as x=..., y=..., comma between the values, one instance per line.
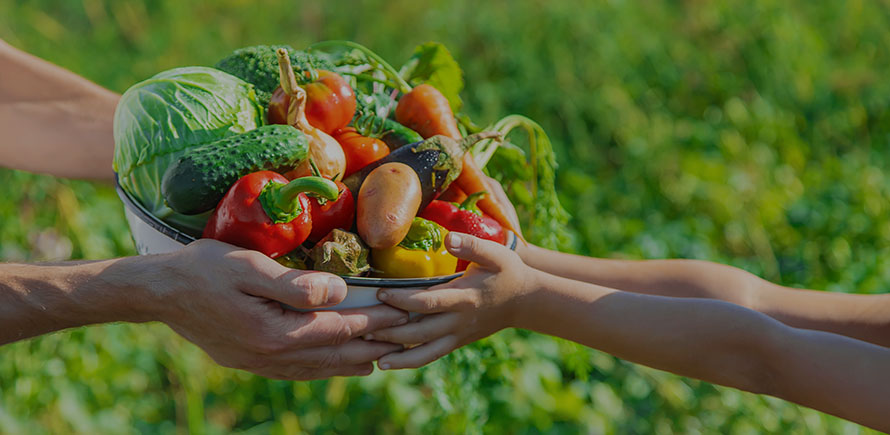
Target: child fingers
x=419, y=356
x=428, y=301
x=500, y=197
x=427, y=329
x=485, y=253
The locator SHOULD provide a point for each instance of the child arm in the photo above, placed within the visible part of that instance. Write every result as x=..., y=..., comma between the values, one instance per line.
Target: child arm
x=706, y=339
x=864, y=317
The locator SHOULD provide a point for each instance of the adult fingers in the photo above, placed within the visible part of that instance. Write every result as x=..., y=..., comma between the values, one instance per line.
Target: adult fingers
x=349, y=354
x=419, y=356
x=485, y=253
x=428, y=300
x=298, y=288
x=319, y=328
x=259, y=275
x=426, y=330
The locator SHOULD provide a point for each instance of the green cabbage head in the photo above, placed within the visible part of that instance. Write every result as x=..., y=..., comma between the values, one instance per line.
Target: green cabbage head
x=159, y=118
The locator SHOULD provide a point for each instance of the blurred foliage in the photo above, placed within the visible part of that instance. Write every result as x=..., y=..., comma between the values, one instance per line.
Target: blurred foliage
x=753, y=133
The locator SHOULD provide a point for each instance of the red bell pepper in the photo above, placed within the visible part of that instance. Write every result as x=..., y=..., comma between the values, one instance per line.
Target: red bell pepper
x=465, y=218
x=328, y=215
x=265, y=212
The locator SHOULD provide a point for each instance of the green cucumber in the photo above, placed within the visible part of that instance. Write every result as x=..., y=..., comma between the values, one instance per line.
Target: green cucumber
x=199, y=179
x=392, y=133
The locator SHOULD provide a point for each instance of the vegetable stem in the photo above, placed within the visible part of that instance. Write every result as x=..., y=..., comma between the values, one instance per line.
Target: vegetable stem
x=322, y=187
x=469, y=204
x=468, y=141
x=280, y=200
x=366, y=77
x=402, y=85
x=286, y=72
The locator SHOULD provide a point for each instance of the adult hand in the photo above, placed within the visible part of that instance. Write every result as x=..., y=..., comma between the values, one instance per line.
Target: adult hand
x=228, y=300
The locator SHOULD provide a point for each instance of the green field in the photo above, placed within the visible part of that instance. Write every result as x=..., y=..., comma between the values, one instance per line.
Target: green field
x=753, y=133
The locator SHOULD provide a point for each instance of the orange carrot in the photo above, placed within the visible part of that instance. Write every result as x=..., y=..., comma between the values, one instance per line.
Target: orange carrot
x=471, y=180
x=426, y=111
x=453, y=194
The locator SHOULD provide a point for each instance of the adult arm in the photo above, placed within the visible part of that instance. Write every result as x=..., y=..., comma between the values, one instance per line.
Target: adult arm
x=53, y=121
x=865, y=317
x=224, y=299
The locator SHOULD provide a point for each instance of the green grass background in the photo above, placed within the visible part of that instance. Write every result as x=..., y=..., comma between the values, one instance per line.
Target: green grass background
x=749, y=132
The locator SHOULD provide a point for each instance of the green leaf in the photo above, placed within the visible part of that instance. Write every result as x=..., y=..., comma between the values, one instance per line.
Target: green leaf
x=158, y=119
x=433, y=64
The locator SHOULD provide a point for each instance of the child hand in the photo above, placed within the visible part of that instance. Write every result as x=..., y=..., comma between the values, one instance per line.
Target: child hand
x=485, y=300
x=499, y=196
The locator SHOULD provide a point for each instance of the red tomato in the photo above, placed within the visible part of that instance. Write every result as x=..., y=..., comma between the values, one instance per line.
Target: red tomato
x=332, y=214
x=330, y=103
x=360, y=150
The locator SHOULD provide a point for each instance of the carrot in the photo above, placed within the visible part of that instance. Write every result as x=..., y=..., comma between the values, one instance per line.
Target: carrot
x=426, y=111
x=453, y=194
x=471, y=180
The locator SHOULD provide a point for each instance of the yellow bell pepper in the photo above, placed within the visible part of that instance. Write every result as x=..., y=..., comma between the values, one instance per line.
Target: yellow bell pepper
x=421, y=254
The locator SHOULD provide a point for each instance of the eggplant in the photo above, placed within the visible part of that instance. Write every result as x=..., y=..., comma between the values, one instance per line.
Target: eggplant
x=437, y=162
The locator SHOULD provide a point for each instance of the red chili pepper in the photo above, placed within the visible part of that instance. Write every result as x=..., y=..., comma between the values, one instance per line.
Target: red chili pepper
x=465, y=218
x=264, y=212
x=327, y=216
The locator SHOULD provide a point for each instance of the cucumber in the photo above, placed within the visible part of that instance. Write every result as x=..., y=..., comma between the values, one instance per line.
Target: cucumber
x=199, y=179
x=392, y=133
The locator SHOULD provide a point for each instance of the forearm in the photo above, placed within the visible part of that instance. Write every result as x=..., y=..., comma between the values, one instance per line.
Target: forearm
x=865, y=317
x=691, y=337
x=675, y=278
x=54, y=121
x=720, y=343
x=38, y=299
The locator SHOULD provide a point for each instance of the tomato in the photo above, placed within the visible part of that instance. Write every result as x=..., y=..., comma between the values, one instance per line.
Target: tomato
x=360, y=150
x=339, y=213
x=330, y=103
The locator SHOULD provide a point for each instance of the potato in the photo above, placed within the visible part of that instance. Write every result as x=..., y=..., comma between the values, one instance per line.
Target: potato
x=387, y=202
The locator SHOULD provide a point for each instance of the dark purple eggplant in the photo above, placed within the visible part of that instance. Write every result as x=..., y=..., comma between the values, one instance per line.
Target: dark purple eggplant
x=437, y=162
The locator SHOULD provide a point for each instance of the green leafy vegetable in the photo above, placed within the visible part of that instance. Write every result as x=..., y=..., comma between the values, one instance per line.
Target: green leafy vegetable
x=432, y=63
x=530, y=182
x=258, y=65
x=158, y=119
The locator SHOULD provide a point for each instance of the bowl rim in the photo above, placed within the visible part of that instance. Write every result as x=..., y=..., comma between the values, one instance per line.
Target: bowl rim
x=134, y=206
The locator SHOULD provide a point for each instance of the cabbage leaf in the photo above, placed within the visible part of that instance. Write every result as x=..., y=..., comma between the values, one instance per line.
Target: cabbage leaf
x=158, y=119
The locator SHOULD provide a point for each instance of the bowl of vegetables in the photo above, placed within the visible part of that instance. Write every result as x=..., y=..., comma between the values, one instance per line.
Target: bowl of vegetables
x=325, y=159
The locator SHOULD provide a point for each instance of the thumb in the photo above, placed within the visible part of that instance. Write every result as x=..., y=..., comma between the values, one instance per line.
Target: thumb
x=483, y=252
x=302, y=288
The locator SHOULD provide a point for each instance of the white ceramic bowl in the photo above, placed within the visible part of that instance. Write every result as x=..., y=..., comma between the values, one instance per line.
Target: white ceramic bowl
x=154, y=236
